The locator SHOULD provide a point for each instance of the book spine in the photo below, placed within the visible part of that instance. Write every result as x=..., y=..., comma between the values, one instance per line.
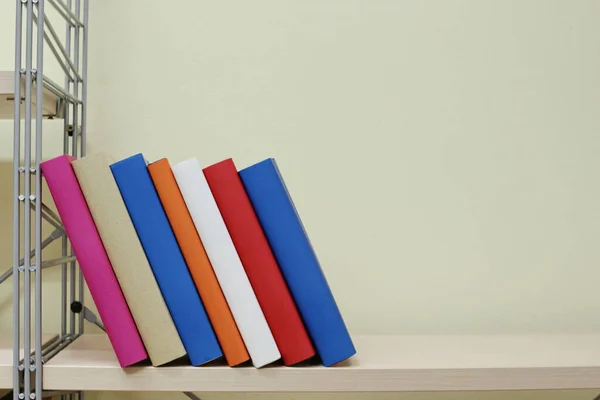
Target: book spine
x=198, y=263
x=93, y=260
x=228, y=268
x=166, y=260
x=298, y=262
x=258, y=261
x=128, y=259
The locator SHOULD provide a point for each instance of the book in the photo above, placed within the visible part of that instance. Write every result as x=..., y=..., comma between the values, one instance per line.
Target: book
x=166, y=260
x=198, y=263
x=226, y=263
x=128, y=259
x=259, y=263
x=93, y=260
x=298, y=261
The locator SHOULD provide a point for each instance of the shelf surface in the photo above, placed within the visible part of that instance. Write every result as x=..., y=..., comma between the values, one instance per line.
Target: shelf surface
x=383, y=363
x=6, y=359
x=7, y=96
x=53, y=131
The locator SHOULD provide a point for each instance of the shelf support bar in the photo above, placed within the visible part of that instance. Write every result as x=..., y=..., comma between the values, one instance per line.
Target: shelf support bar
x=50, y=354
x=58, y=233
x=49, y=216
x=65, y=11
x=57, y=261
x=17, y=204
x=62, y=48
x=191, y=396
x=39, y=264
x=27, y=197
x=63, y=51
x=54, y=51
x=87, y=314
x=58, y=91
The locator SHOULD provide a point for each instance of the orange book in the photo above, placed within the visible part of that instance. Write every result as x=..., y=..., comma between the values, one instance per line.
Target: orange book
x=198, y=263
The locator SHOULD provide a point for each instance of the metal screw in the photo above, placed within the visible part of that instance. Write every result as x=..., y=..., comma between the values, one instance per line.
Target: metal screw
x=32, y=170
x=32, y=197
x=32, y=396
x=21, y=395
x=21, y=197
x=32, y=367
x=21, y=169
x=32, y=269
x=23, y=1
x=21, y=367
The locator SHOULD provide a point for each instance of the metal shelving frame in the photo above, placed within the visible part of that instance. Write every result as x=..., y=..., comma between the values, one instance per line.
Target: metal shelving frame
x=33, y=32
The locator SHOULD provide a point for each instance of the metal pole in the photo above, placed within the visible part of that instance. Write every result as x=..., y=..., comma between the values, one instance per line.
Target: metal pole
x=63, y=51
x=56, y=350
x=82, y=30
x=64, y=244
x=17, y=205
x=58, y=91
x=38, y=200
x=67, y=9
x=73, y=152
x=78, y=10
x=56, y=261
x=57, y=56
x=51, y=214
x=76, y=84
x=54, y=235
x=84, y=80
x=27, y=221
x=62, y=13
x=72, y=265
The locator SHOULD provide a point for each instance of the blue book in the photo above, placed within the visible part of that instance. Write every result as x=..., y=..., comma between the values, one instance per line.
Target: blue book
x=298, y=262
x=166, y=260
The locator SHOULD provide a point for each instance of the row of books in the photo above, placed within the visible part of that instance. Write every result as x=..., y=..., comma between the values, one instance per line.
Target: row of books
x=184, y=261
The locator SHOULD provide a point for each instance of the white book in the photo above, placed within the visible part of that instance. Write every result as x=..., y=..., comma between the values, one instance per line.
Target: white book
x=226, y=263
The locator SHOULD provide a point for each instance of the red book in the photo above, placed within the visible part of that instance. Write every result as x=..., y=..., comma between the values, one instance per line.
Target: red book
x=261, y=267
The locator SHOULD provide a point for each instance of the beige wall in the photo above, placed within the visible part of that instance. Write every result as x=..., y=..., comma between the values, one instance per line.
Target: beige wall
x=443, y=154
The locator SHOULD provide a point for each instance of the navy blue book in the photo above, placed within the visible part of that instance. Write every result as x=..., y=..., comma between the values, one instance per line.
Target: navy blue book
x=166, y=260
x=297, y=260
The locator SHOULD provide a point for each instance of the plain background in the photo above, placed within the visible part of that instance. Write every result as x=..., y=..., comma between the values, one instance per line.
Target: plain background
x=443, y=154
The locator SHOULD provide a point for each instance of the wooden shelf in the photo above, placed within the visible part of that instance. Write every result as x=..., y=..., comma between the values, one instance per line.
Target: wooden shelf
x=7, y=97
x=53, y=131
x=6, y=359
x=383, y=363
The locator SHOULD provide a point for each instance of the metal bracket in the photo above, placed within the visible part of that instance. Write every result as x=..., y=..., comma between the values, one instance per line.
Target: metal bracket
x=88, y=315
x=191, y=396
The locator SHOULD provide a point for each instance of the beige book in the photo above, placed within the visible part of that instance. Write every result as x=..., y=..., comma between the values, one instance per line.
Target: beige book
x=128, y=259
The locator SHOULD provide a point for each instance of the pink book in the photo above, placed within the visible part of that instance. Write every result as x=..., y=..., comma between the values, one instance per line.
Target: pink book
x=93, y=260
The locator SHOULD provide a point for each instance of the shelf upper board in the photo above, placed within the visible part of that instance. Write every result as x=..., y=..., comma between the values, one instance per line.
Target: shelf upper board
x=383, y=363
x=7, y=96
x=52, y=130
x=6, y=358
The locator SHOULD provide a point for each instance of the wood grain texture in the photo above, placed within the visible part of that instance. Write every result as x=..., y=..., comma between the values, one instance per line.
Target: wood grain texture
x=383, y=363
